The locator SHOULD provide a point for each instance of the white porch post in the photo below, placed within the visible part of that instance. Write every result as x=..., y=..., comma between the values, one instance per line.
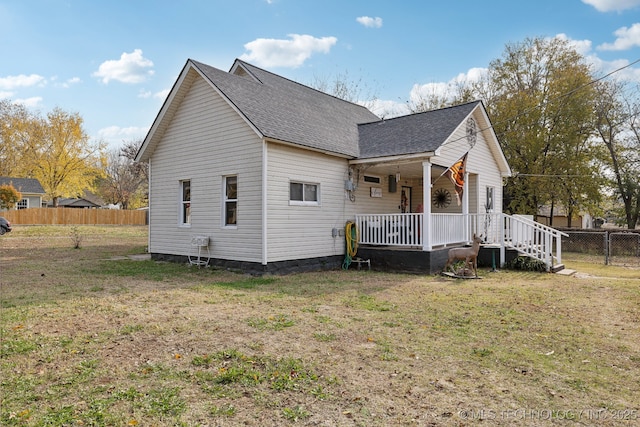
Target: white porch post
x=465, y=206
x=426, y=206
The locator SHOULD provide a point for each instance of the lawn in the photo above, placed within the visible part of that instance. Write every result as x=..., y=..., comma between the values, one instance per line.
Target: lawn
x=91, y=337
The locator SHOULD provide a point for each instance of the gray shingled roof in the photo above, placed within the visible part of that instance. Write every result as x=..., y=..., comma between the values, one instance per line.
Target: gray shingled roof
x=412, y=134
x=284, y=110
x=288, y=111
x=23, y=185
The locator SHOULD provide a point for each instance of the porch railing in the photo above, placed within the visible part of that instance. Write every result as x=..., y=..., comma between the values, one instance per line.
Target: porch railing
x=390, y=229
x=528, y=237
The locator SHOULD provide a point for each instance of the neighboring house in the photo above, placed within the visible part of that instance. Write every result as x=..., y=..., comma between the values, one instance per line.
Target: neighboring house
x=88, y=200
x=30, y=189
x=265, y=172
x=561, y=218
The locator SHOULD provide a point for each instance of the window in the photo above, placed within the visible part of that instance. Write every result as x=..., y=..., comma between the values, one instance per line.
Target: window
x=372, y=179
x=489, y=203
x=185, y=204
x=22, y=204
x=230, y=200
x=301, y=193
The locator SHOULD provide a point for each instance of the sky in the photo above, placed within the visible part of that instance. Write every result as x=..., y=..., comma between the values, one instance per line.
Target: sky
x=114, y=61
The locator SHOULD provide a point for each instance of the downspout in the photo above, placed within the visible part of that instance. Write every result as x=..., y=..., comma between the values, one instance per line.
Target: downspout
x=149, y=207
x=264, y=202
x=502, y=221
x=426, y=205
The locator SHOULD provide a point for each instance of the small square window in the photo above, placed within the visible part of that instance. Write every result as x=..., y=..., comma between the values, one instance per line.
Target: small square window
x=301, y=193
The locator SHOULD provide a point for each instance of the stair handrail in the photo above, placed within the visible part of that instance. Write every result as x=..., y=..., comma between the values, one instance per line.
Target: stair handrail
x=542, y=251
x=538, y=225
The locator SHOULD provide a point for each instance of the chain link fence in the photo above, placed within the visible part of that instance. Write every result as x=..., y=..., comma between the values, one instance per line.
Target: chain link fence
x=612, y=247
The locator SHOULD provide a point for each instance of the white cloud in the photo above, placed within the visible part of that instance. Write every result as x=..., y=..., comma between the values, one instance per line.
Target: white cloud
x=114, y=136
x=602, y=67
x=73, y=80
x=367, y=21
x=32, y=102
x=13, y=82
x=146, y=94
x=609, y=5
x=130, y=68
x=162, y=94
x=387, y=109
x=286, y=53
x=626, y=39
x=6, y=94
x=69, y=82
x=583, y=47
x=445, y=90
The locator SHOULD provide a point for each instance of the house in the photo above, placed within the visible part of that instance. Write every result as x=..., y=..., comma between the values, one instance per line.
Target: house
x=87, y=200
x=30, y=189
x=560, y=219
x=264, y=173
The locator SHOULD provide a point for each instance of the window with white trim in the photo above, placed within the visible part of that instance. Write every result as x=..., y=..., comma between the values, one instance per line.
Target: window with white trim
x=185, y=202
x=489, y=201
x=22, y=204
x=304, y=193
x=231, y=201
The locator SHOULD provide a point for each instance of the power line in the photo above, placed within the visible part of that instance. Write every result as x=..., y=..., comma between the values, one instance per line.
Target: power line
x=571, y=92
x=552, y=175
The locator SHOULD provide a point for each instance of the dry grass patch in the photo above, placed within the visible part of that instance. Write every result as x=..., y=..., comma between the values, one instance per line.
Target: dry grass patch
x=92, y=340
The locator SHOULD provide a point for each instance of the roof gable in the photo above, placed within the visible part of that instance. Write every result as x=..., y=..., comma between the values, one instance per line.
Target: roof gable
x=412, y=134
x=426, y=133
x=23, y=185
x=277, y=108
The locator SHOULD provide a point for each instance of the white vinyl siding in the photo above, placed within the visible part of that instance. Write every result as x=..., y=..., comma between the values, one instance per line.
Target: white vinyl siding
x=481, y=166
x=300, y=231
x=206, y=141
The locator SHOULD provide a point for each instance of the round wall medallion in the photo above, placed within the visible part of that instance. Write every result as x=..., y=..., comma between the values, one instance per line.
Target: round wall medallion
x=441, y=198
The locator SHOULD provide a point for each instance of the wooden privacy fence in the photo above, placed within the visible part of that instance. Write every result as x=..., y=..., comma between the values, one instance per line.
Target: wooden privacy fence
x=74, y=216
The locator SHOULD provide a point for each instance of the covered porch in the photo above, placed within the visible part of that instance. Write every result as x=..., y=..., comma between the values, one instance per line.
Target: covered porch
x=393, y=233
x=428, y=181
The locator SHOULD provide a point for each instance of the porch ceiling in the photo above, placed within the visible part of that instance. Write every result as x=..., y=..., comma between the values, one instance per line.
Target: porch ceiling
x=411, y=170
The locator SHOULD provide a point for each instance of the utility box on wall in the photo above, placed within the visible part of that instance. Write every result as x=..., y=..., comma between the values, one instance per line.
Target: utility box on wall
x=393, y=185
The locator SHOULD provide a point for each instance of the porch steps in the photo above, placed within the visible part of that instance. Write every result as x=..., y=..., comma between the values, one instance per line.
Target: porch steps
x=536, y=252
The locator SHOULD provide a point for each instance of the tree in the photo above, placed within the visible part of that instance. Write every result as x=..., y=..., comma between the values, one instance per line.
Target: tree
x=434, y=96
x=343, y=87
x=541, y=106
x=9, y=196
x=14, y=126
x=55, y=150
x=124, y=178
x=618, y=128
x=59, y=155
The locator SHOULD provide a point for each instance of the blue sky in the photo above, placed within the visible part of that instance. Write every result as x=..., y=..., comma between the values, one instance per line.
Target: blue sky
x=114, y=61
